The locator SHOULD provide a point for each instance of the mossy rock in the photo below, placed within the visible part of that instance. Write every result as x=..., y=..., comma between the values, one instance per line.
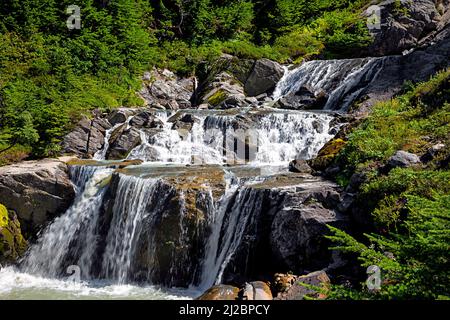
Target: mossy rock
x=217, y=98
x=327, y=154
x=12, y=243
x=4, y=219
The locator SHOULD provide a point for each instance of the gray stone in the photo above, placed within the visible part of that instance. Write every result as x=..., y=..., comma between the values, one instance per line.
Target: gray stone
x=121, y=145
x=403, y=159
x=408, y=26
x=300, y=166
x=37, y=191
x=263, y=78
x=164, y=89
x=87, y=138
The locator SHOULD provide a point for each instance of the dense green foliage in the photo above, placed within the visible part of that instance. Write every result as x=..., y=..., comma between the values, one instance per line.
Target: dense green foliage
x=410, y=206
x=50, y=75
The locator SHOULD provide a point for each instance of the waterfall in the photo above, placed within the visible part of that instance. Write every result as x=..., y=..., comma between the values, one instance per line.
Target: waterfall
x=72, y=232
x=238, y=209
x=283, y=137
x=130, y=209
x=275, y=137
x=343, y=80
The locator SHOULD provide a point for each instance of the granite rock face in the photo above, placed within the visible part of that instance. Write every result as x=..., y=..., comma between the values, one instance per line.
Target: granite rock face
x=36, y=191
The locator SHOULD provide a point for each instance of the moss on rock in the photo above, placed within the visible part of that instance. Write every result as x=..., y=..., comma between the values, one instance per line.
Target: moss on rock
x=327, y=154
x=217, y=98
x=12, y=243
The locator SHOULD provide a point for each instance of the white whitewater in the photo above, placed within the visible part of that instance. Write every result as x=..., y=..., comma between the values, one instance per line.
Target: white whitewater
x=48, y=256
x=342, y=79
x=129, y=211
x=277, y=137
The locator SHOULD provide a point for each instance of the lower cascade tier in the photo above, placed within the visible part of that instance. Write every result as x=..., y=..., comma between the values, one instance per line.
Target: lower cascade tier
x=192, y=226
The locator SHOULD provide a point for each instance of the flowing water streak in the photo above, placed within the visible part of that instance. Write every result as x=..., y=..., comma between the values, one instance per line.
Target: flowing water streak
x=211, y=263
x=343, y=79
x=130, y=209
x=49, y=255
x=237, y=211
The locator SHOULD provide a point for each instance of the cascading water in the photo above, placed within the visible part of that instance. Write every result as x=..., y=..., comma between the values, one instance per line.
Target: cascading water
x=343, y=80
x=127, y=227
x=276, y=138
x=72, y=231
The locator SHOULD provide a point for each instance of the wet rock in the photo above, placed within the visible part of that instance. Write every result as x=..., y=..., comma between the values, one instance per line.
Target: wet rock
x=403, y=159
x=300, y=166
x=146, y=120
x=12, y=243
x=263, y=78
x=256, y=290
x=95, y=163
x=183, y=123
x=297, y=236
x=165, y=89
x=298, y=291
x=172, y=237
x=303, y=99
x=291, y=221
x=122, y=143
x=87, y=138
x=220, y=292
x=37, y=191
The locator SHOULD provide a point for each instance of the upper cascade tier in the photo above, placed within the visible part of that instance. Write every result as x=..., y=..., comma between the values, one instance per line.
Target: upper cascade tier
x=238, y=136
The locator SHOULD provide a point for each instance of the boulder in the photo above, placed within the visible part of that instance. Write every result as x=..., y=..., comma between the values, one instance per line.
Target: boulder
x=298, y=291
x=12, y=243
x=285, y=225
x=256, y=290
x=123, y=142
x=297, y=236
x=263, y=78
x=282, y=282
x=327, y=154
x=146, y=119
x=403, y=159
x=300, y=166
x=433, y=152
x=37, y=191
x=87, y=138
x=120, y=115
x=303, y=99
x=162, y=88
x=224, y=91
x=220, y=292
